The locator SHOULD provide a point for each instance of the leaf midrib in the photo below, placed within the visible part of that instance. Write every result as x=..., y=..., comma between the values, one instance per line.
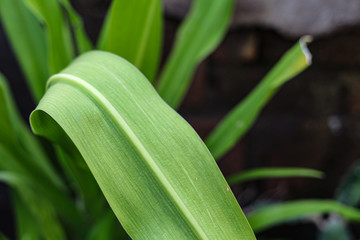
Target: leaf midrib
x=77, y=81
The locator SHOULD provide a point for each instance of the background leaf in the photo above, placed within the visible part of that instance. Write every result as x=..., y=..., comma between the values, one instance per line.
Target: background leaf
x=240, y=119
x=27, y=39
x=272, y=215
x=260, y=173
x=197, y=37
x=156, y=173
x=133, y=30
x=61, y=50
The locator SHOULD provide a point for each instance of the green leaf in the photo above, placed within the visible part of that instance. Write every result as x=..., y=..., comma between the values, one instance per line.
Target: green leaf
x=105, y=228
x=61, y=50
x=349, y=190
x=240, y=119
x=133, y=30
x=268, y=172
x=22, y=155
x=156, y=173
x=272, y=215
x=28, y=42
x=83, y=43
x=26, y=225
x=197, y=37
x=39, y=206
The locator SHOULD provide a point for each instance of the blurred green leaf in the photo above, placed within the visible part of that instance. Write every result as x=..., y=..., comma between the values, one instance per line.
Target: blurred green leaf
x=197, y=37
x=105, y=228
x=22, y=156
x=260, y=173
x=156, y=173
x=133, y=30
x=240, y=119
x=83, y=43
x=26, y=225
x=61, y=50
x=39, y=207
x=349, y=190
x=28, y=42
x=272, y=215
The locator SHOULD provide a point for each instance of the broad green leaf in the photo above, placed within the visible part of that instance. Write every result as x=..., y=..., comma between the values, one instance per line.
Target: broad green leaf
x=61, y=51
x=197, y=37
x=260, y=173
x=349, y=190
x=272, y=215
x=133, y=30
x=28, y=42
x=156, y=173
x=240, y=119
x=83, y=43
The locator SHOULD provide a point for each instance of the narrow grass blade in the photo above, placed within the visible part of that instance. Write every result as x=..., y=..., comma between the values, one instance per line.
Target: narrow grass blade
x=133, y=30
x=156, y=173
x=83, y=43
x=240, y=119
x=261, y=173
x=61, y=50
x=22, y=155
x=349, y=190
x=26, y=226
x=197, y=37
x=39, y=207
x=28, y=42
x=279, y=213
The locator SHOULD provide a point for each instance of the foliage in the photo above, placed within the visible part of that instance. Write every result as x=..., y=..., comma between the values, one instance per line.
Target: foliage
x=122, y=150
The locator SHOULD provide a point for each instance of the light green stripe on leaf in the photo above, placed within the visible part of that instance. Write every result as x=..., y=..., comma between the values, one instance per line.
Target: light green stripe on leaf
x=133, y=30
x=260, y=173
x=240, y=119
x=272, y=215
x=197, y=37
x=156, y=173
x=61, y=50
x=28, y=42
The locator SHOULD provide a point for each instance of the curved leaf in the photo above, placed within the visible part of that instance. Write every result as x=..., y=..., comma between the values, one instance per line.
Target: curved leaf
x=133, y=30
x=154, y=170
x=279, y=213
x=240, y=119
x=260, y=173
x=197, y=37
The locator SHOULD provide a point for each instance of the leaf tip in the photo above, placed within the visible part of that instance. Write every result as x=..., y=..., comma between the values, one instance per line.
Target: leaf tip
x=304, y=41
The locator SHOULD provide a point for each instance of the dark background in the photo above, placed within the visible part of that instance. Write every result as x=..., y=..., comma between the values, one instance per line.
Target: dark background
x=313, y=121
